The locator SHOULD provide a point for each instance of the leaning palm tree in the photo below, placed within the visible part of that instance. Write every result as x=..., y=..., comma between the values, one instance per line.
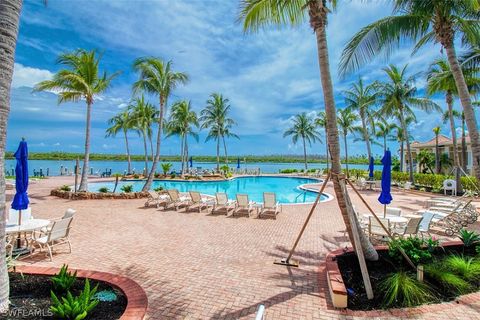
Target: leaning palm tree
x=257, y=14
x=346, y=121
x=303, y=128
x=10, y=17
x=143, y=115
x=362, y=99
x=182, y=122
x=157, y=78
x=397, y=100
x=423, y=22
x=321, y=122
x=81, y=80
x=215, y=117
x=121, y=122
x=436, y=131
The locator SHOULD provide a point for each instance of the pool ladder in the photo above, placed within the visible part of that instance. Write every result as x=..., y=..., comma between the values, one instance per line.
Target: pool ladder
x=300, y=194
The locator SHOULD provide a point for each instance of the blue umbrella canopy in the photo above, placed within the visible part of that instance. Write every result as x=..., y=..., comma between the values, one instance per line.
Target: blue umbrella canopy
x=191, y=162
x=370, y=167
x=385, y=196
x=20, y=200
x=238, y=163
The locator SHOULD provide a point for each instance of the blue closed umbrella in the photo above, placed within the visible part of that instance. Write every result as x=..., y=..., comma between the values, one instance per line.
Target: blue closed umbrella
x=191, y=162
x=385, y=196
x=238, y=163
x=20, y=200
x=370, y=168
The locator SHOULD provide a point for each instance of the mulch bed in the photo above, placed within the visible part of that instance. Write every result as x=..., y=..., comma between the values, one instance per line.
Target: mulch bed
x=30, y=299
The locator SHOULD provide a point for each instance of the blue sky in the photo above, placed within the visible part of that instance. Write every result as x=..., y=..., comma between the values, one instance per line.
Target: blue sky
x=268, y=77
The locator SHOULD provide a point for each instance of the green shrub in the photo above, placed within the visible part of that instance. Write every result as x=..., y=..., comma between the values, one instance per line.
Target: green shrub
x=477, y=250
x=158, y=189
x=400, y=177
x=74, y=308
x=173, y=176
x=455, y=272
x=377, y=175
x=156, y=175
x=127, y=188
x=166, y=166
x=64, y=279
x=469, y=238
x=470, y=183
x=65, y=188
x=431, y=244
x=136, y=176
x=414, y=248
x=288, y=170
x=401, y=289
x=103, y=190
x=358, y=173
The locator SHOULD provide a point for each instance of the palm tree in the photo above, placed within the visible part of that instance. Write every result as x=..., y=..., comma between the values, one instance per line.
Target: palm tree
x=397, y=98
x=425, y=160
x=464, y=144
x=181, y=123
x=121, y=122
x=362, y=98
x=400, y=137
x=321, y=122
x=424, y=22
x=157, y=78
x=436, y=131
x=257, y=14
x=143, y=115
x=305, y=129
x=215, y=117
x=80, y=80
x=383, y=130
x=346, y=121
x=10, y=17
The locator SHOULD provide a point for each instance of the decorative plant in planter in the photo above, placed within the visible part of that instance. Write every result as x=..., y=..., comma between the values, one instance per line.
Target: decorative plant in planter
x=103, y=190
x=75, y=307
x=127, y=188
x=64, y=279
x=402, y=289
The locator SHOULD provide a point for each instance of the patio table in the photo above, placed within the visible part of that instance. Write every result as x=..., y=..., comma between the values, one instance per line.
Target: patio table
x=27, y=226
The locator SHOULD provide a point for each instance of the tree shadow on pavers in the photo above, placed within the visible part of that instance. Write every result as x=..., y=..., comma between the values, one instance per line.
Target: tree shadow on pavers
x=163, y=299
x=303, y=257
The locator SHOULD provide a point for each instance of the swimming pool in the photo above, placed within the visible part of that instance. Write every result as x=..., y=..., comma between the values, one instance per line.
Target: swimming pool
x=286, y=188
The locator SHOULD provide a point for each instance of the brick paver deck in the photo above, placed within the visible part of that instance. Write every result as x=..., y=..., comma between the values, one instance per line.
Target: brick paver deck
x=199, y=266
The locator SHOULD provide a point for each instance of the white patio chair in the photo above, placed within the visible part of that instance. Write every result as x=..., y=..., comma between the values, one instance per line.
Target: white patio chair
x=375, y=230
x=69, y=213
x=424, y=226
x=175, y=199
x=270, y=204
x=243, y=204
x=361, y=183
x=57, y=235
x=391, y=211
x=411, y=228
x=450, y=185
x=196, y=200
x=222, y=203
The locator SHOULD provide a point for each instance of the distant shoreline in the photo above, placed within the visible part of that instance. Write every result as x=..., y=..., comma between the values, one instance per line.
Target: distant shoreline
x=64, y=156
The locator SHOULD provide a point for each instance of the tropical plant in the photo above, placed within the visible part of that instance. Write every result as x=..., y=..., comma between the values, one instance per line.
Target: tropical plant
x=321, y=122
x=182, y=122
x=81, y=80
x=469, y=238
x=397, y=99
x=455, y=272
x=63, y=280
x=103, y=190
x=121, y=122
x=256, y=14
x=362, y=99
x=423, y=22
x=157, y=78
x=75, y=308
x=426, y=160
x=127, y=188
x=401, y=289
x=166, y=166
x=346, y=121
x=215, y=117
x=303, y=128
x=117, y=177
x=66, y=188
x=436, y=131
x=383, y=130
x=413, y=248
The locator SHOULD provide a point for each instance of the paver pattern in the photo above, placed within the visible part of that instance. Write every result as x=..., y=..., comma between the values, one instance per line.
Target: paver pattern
x=201, y=266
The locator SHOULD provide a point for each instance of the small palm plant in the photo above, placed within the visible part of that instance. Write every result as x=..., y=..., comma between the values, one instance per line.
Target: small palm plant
x=166, y=166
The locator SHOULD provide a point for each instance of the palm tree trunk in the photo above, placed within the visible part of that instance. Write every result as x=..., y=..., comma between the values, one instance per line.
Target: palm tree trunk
x=145, y=148
x=9, y=20
x=401, y=156
x=407, y=141
x=182, y=154
x=129, y=160
x=468, y=111
x=464, y=145
x=151, y=175
x=84, y=180
x=305, y=154
x=346, y=152
x=384, y=144
x=151, y=147
x=318, y=20
x=225, y=149
x=218, y=154
x=187, y=164
x=365, y=135
x=437, y=156
x=449, y=100
x=326, y=145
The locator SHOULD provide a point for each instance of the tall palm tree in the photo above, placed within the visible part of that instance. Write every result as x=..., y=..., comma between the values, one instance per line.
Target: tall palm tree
x=80, y=80
x=436, y=131
x=182, y=122
x=362, y=99
x=157, y=78
x=10, y=17
x=215, y=117
x=257, y=14
x=424, y=22
x=346, y=121
x=143, y=115
x=383, y=130
x=398, y=98
x=400, y=136
x=321, y=122
x=121, y=122
x=303, y=128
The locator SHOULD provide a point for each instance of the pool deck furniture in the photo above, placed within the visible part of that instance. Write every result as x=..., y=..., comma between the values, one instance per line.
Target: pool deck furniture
x=156, y=199
x=57, y=235
x=270, y=204
x=411, y=228
x=22, y=234
x=175, y=199
x=450, y=185
x=223, y=203
x=197, y=201
x=243, y=204
x=69, y=213
x=375, y=230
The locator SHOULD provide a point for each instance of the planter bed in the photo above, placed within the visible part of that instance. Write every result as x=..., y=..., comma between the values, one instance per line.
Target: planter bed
x=346, y=284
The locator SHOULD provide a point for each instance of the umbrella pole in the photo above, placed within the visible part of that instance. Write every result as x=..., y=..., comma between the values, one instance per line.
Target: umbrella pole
x=384, y=210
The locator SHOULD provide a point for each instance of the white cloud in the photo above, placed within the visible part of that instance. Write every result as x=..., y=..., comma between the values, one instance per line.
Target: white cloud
x=24, y=76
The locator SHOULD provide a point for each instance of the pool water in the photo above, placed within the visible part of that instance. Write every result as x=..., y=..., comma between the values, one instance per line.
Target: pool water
x=286, y=188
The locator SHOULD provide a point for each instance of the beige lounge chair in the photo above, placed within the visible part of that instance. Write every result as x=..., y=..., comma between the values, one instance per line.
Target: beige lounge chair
x=196, y=200
x=153, y=198
x=57, y=235
x=243, y=204
x=375, y=230
x=222, y=203
x=270, y=204
x=175, y=199
x=411, y=228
